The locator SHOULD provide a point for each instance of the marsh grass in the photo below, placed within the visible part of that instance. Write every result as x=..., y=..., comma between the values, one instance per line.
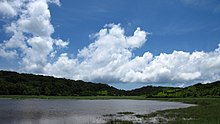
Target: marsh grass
x=125, y=113
x=119, y=122
x=207, y=111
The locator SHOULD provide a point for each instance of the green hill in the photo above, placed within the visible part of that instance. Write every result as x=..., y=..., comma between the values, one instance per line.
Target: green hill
x=197, y=90
x=13, y=83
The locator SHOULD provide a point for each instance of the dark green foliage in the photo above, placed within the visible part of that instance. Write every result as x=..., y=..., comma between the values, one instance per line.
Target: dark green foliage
x=12, y=83
x=198, y=90
x=148, y=90
x=119, y=122
x=125, y=113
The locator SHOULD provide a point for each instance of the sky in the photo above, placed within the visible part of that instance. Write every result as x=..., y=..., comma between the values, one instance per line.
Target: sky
x=124, y=43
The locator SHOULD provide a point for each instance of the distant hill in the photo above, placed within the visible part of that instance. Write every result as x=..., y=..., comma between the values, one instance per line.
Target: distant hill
x=13, y=83
x=197, y=90
x=148, y=90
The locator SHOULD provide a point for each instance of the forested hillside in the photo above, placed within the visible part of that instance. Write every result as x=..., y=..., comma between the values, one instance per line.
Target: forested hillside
x=13, y=83
x=198, y=90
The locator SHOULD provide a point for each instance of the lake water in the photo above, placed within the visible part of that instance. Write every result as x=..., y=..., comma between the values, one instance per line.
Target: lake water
x=41, y=111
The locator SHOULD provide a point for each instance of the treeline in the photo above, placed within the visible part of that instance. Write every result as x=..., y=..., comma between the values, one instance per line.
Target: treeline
x=13, y=83
x=198, y=90
x=147, y=90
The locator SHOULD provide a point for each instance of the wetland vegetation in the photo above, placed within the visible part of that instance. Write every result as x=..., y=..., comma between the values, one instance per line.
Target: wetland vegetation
x=206, y=97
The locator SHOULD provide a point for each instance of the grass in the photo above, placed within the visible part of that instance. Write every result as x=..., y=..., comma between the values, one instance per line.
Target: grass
x=119, y=122
x=207, y=111
x=125, y=113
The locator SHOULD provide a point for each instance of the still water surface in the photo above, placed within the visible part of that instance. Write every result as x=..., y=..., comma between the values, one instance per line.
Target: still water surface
x=41, y=111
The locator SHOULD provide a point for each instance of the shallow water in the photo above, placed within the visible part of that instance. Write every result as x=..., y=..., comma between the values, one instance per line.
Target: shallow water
x=41, y=111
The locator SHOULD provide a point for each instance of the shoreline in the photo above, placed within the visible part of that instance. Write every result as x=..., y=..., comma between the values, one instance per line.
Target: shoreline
x=72, y=97
x=202, y=111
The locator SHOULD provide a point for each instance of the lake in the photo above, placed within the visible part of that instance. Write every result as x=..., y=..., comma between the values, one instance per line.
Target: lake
x=42, y=111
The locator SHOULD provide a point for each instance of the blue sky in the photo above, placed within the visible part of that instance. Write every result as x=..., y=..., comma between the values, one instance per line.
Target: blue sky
x=67, y=43
x=174, y=25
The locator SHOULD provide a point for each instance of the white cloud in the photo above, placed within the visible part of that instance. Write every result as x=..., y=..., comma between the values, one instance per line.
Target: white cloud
x=6, y=9
x=61, y=43
x=7, y=54
x=31, y=34
x=63, y=67
x=36, y=56
x=138, y=39
x=11, y=8
x=57, y=2
x=109, y=58
x=110, y=50
x=36, y=19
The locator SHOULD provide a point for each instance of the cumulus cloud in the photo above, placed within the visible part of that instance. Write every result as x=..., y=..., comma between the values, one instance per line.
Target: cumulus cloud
x=6, y=9
x=36, y=19
x=61, y=43
x=10, y=8
x=63, y=67
x=7, y=54
x=109, y=58
x=36, y=56
x=31, y=33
